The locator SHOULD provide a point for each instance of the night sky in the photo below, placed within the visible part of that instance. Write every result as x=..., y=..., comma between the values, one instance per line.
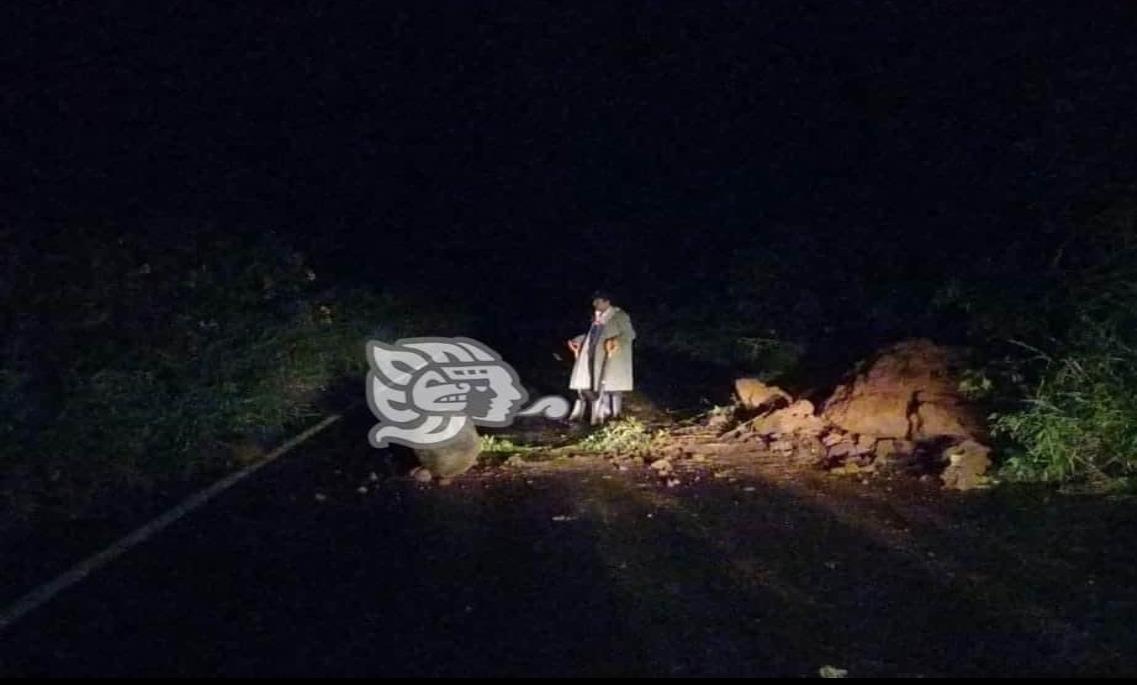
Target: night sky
x=522, y=154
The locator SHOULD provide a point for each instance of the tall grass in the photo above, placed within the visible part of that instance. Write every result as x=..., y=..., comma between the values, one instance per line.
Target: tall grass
x=1079, y=421
x=1072, y=410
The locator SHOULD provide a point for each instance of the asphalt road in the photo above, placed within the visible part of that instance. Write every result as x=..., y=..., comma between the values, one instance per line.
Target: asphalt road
x=579, y=568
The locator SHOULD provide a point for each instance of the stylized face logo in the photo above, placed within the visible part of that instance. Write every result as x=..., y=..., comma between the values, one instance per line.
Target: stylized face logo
x=483, y=392
x=424, y=390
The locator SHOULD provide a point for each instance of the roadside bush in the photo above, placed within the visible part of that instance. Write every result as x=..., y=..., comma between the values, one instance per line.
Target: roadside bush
x=133, y=362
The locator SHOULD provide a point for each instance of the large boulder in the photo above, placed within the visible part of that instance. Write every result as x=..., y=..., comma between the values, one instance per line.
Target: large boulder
x=754, y=394
x=453, y=459
x=907, y=391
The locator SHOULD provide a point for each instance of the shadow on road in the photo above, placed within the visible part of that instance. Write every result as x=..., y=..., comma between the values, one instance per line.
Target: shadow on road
x=578, y=570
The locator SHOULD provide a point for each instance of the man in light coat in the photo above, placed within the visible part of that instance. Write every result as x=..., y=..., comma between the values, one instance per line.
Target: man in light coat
x=602, y=371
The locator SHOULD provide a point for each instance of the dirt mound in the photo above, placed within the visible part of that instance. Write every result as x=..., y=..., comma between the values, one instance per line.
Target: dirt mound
x=907, y=391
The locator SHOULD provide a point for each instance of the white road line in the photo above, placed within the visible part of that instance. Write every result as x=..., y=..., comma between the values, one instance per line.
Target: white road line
x=44, y=593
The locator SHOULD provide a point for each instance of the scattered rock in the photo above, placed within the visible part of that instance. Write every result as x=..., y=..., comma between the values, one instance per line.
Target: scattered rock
x=782, y=447
x=832, y=438
x=422, y=475
x=842, y=449
x=809, y=450
x=850, y=468
x=720, y=422
x=967, y=465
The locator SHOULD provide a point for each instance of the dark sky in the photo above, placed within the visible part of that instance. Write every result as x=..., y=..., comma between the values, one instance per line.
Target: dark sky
x=533, y=140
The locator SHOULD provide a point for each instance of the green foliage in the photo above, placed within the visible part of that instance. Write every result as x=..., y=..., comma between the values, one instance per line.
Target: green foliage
x=493, y=444
x=1080, y=420
x=133, y=362
x=976, y=384
x=1068, y=413
x=623, y=436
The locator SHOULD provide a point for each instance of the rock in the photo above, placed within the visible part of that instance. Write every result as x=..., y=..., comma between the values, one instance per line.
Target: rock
x=833, y=437
x=889, y=454
x=739, y=433
x=720, y=422
x=754, y=394
x=967, y=465
x=455, y=458
x=891, y=447
x=885, y=448
x=865, y=444
x=796, y=419
x=850, y=468
x=782, y=447
x=809, y=450
x=910, y=391
x=422, y=475
x=843, y=449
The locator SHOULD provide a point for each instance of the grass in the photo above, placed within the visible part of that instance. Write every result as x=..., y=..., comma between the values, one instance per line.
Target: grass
x=1079, y=422
x=623, y=436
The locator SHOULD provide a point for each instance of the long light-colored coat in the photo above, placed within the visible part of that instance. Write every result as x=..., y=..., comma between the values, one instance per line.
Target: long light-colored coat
x=618, y=369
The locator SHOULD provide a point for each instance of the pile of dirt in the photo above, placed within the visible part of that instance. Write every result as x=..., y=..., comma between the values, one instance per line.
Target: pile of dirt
x=910, y=391
x=898, y=411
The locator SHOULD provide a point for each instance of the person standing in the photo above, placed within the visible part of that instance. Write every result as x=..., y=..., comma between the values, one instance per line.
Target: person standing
x=602, y=370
